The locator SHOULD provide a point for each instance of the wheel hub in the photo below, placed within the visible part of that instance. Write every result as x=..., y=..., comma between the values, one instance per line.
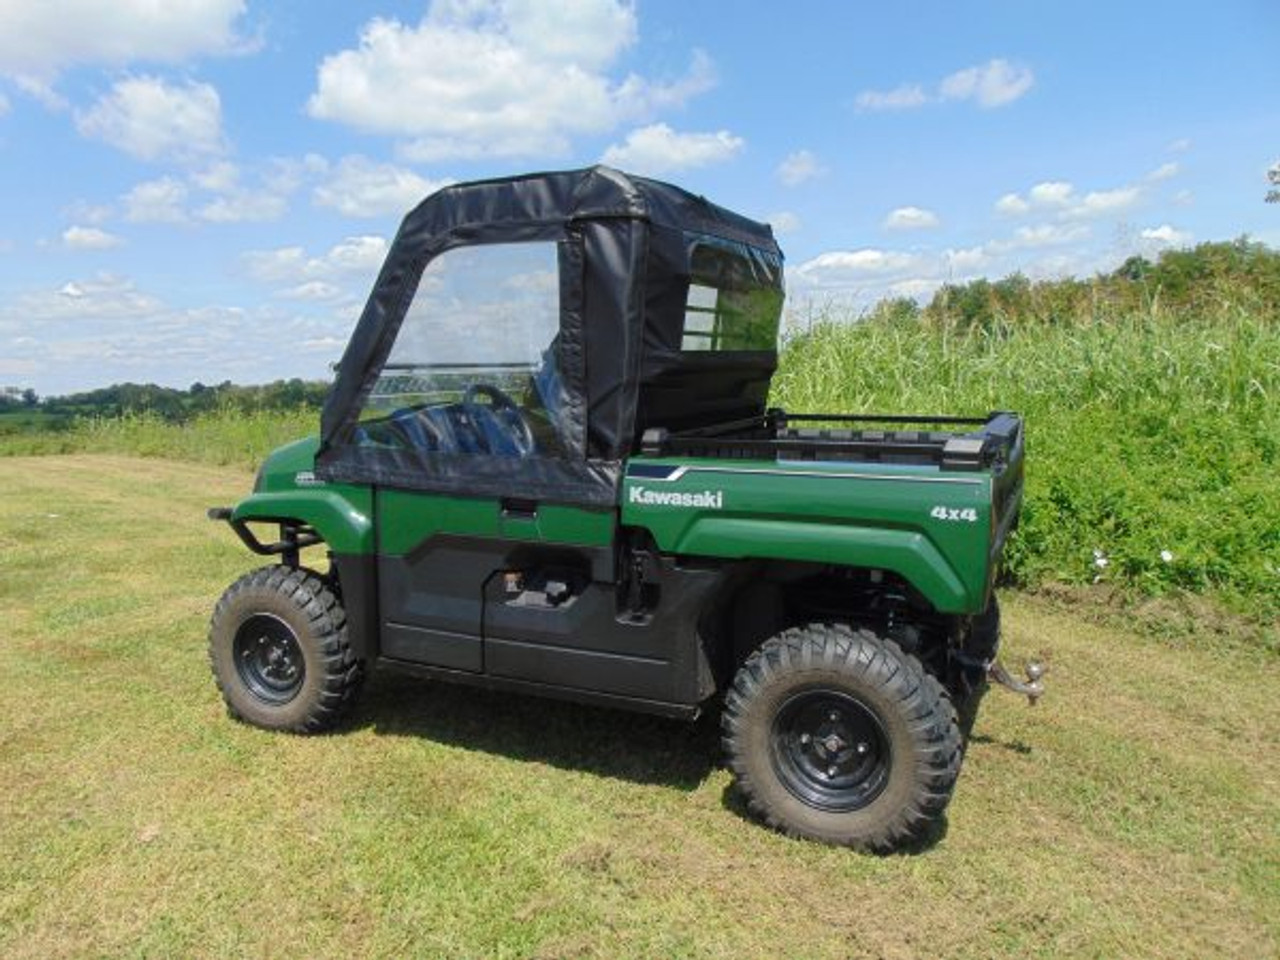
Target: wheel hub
x=269, y=659
x=830, y=750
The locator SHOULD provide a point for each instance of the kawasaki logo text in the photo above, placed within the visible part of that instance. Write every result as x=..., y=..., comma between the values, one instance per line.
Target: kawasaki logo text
x=711, y=499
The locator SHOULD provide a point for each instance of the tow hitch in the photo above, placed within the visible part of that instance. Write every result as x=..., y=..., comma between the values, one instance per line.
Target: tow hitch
x=1031, y=688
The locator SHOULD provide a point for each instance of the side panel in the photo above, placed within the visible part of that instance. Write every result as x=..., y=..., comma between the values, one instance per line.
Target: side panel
x=931, y=527
x=430, y=601
x=528, y=592
x=590, y=642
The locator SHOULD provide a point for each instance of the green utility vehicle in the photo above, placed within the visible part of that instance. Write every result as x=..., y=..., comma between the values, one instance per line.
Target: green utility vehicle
x=547, y=466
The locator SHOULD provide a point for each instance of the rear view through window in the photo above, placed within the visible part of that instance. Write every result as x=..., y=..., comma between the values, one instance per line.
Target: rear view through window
x=735, y=297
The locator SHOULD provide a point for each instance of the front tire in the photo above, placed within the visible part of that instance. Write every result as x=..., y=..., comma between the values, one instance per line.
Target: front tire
x=837, y=735
x=279, y=652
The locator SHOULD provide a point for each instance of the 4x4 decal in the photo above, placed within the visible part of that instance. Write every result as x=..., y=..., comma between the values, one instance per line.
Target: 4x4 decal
x=955, y=514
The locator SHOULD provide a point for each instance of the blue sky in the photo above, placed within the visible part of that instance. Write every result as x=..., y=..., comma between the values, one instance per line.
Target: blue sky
x=203, y=189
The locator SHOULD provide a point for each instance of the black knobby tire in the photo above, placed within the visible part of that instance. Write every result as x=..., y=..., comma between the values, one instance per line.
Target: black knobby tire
x=835, y=734
x=279, y=651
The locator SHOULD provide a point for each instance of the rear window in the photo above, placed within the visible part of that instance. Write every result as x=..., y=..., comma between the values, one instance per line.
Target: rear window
x=735, y=297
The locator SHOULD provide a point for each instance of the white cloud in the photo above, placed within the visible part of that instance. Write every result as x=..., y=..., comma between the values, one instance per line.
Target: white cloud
x=221, y=176
x=292, y=269
x=89, y=238
x=100, y=330
x=482, y=78
x=1184, y=198
x=1059, y=197
x=657, y=149
x=156, y=201
x=102, y=297
x=1166, y=235
x=41, y=38
x=1012, y=205
x=234, y=202
x=228, y=199
x=910, y=218
x=4, y=104
x=1181, y=145
x=840, y=266
x=152, y=120
x=1053, y=193
x=859, y=278
x=1163, y=172
x=1101, y=203
x=965, y=262
x=244, y=206
x=1044, y=235
x=904, y=97
x=798, y=167
x=993, y=84
x=784, y=221
x=94, y=214
x=41, y=91
x=359, y=187
x=314, y=290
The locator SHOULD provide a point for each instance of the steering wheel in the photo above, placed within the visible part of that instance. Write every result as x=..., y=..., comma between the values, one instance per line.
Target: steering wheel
x=502, y=411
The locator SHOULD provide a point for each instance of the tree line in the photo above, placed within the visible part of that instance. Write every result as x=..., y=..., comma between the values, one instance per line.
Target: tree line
x=169, y=403
x=1242, y=273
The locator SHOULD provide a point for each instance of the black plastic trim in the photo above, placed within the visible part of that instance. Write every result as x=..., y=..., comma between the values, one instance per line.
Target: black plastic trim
x=678, y=711
x=772, y=436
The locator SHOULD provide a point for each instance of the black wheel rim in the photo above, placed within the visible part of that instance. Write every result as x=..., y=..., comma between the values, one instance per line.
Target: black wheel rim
x=269, y=659
x=830, y=750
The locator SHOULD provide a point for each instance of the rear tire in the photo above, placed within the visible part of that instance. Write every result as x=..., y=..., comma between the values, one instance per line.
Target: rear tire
x=837, y=735
x=279, y=652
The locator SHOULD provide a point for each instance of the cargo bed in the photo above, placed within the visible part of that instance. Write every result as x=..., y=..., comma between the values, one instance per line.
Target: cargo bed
x=989, y=443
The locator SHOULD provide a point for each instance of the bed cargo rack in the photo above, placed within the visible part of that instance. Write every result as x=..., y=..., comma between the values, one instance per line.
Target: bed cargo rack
x=873, y=438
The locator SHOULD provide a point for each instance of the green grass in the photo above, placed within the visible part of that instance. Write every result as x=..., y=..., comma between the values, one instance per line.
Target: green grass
x=1135, y=812
x=1150, y=436
x=225, y=437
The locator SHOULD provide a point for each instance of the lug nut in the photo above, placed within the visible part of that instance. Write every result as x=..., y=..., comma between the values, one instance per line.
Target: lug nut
x=863, y=748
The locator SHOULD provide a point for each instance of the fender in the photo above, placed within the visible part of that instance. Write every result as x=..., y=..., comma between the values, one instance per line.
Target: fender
x=343, y=517
x=905, y=552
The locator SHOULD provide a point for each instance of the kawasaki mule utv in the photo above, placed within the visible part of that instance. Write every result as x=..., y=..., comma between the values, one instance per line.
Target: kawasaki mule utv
x=547, y=466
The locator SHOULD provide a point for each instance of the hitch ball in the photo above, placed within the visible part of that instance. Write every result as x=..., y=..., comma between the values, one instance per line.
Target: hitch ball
x=1031, y=688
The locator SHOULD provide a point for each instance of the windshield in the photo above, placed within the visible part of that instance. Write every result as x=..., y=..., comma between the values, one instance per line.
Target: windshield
x=474, y=366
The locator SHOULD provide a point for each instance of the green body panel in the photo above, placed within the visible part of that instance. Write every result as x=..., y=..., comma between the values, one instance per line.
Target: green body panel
x=930, y=526
x=286, y=489
x=409, y=517
x=879, y=516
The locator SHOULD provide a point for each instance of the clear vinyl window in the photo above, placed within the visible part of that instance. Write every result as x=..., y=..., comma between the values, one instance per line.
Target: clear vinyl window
x=735, y=297
x=474, y=366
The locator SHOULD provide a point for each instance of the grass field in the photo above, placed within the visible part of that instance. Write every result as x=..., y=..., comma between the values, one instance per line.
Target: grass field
x=1135, y=812
x=1153, y=438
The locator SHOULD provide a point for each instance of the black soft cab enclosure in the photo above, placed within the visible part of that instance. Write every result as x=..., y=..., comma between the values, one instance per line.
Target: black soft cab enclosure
x=667, y=315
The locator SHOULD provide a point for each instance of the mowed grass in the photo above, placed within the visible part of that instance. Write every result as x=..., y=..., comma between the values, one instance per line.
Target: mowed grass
x=1135, y=812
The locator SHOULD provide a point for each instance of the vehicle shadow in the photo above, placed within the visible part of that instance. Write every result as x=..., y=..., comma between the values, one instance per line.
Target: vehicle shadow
x=610, y=743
